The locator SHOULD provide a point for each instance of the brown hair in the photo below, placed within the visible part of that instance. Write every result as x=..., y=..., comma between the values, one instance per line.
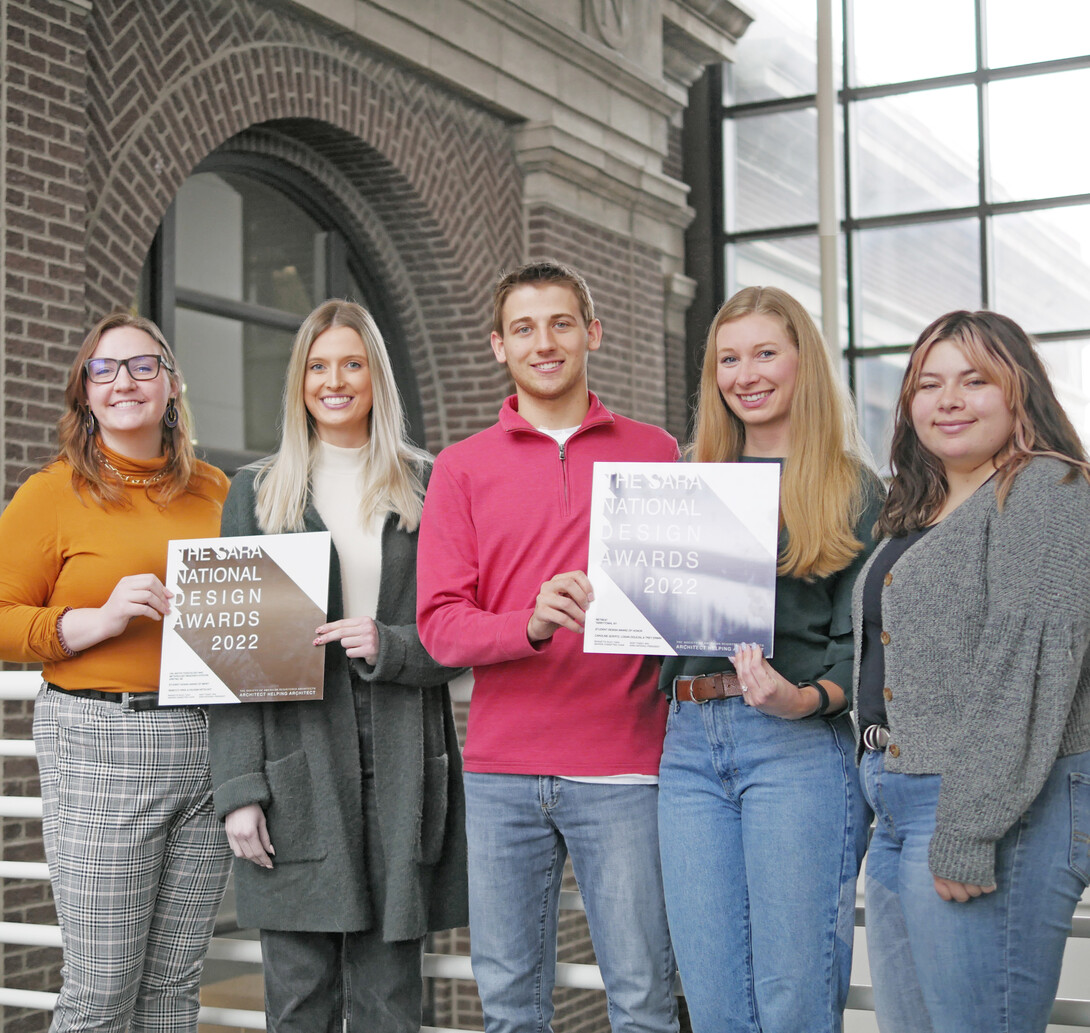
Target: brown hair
x=1001, y=351
x=543, y=271
x=822, y=493
x=78, y=448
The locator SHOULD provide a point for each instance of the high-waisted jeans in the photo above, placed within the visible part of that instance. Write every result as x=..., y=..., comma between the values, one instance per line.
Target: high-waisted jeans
x=992, y=964
x=762, y=827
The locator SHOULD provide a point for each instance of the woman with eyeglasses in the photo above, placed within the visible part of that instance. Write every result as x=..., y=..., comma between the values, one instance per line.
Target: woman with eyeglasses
x=137, y=858
x=347, y=811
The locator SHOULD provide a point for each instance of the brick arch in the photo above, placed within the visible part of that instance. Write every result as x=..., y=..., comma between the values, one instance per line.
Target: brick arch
x=361, y=224
x=435, y=173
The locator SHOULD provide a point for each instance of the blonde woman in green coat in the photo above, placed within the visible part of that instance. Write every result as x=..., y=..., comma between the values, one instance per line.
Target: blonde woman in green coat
x=346, y=813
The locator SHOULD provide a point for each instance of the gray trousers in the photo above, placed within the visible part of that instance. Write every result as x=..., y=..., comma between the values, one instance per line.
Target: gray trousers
x=137, y=858
x=315, y=981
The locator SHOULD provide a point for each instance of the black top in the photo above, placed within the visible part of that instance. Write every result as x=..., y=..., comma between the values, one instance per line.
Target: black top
x=872, y=659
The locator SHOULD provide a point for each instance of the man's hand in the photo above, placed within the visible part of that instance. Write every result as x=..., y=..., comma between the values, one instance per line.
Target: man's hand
x=561, y=603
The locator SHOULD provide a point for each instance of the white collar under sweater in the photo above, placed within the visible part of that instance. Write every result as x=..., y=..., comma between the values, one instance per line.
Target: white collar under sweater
x=335, y=492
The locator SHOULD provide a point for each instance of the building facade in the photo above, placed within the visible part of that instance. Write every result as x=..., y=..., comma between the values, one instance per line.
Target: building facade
x=422, y=145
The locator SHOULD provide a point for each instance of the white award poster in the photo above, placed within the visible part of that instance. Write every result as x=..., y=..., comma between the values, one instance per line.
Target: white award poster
x=242, y=619
x=682, y=557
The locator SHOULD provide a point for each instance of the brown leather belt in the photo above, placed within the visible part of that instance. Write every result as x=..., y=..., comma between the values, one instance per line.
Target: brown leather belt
x=708, y=686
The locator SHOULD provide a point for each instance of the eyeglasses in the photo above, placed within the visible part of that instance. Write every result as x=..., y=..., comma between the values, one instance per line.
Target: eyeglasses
x=140, y=367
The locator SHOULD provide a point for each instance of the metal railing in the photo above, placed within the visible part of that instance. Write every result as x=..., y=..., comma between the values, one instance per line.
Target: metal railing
x=24, y=685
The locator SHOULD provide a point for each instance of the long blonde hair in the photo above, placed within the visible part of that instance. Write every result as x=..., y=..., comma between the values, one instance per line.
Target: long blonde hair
x=391, y=478
x=822, y=491
x=78, y=448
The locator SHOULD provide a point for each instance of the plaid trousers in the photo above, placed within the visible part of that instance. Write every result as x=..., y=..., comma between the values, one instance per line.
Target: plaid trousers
x=137, y=858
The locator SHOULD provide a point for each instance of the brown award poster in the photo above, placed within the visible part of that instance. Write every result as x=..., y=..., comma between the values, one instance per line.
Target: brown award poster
x=242, y=620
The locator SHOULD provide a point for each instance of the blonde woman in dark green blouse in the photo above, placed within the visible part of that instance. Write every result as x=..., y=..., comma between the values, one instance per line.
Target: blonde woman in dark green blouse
x=762, y=825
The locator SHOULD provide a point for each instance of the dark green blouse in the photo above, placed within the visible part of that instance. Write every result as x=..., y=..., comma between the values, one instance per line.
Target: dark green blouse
x=812, y=637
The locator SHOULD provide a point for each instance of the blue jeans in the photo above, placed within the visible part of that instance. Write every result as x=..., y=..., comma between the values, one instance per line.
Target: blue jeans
x=991, y=965
x=762, y=828
x=520, y=830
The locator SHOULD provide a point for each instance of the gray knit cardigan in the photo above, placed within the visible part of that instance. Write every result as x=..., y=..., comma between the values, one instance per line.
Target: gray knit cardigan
x=988, y=663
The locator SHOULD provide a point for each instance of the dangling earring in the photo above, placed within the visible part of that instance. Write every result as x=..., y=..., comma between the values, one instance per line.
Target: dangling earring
x=90, y=424
x=170, y=417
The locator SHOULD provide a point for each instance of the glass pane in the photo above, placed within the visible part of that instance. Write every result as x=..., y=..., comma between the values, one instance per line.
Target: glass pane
x=901, y=42
x=909, y=275
x=877, y=385
x=209, y=350
x=1056, y=28
x=242, y=240
x=771, y=170
x=208, y=242
x=266, y=352
x=915, y=151
x=791, y=263
x=225, y=361
x=1068, y=365
x=776, y=57
x=1036, y=149
x=1042, y=268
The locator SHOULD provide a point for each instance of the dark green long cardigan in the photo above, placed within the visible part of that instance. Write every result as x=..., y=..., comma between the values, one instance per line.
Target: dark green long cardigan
x=301, y=763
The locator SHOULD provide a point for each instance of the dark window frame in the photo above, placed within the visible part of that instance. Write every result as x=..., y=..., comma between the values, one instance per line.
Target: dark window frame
x=981, y=77
x=346, y=259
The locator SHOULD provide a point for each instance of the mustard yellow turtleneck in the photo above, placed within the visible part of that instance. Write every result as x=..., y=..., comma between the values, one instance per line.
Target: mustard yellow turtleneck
x=61, y=549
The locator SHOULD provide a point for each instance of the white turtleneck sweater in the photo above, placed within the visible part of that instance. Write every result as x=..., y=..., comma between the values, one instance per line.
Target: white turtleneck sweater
x=335, y=487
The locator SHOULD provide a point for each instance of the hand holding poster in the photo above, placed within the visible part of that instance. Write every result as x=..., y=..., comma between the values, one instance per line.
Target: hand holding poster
x=242, y=620
x=682, y=557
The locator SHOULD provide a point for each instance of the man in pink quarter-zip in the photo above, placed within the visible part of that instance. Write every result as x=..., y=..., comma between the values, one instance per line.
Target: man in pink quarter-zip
x=562, y=751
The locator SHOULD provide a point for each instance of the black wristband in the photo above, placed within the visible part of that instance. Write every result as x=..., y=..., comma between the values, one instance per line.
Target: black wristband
x=823, y=706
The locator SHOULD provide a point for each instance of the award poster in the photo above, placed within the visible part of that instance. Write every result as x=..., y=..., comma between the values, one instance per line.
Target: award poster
x=242, y=619
x=682, y=557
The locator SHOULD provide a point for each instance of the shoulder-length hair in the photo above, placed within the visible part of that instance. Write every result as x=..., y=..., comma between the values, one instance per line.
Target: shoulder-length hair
x=78, y=448
x=999, y=349
x=391, y=479
x=822, y=490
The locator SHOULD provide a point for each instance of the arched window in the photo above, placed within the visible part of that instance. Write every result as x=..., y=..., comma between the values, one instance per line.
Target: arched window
x=244, y=252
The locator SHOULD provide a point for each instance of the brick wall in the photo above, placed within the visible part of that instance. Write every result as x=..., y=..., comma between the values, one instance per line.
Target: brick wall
x=44, y=187
x=625, y=277
x=42, y=265
x=109, y=106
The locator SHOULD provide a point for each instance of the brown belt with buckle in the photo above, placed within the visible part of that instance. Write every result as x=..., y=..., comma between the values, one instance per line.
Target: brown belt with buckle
x=707, y=686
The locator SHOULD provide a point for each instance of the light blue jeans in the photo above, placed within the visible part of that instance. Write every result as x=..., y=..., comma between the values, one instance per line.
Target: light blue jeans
x=762, y=828
x=520, y=830
x=990, y=965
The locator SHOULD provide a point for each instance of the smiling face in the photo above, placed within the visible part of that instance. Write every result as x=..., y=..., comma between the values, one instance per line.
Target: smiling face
x=959, y=415
x=756, y=366
x=129, y=412
x=545, y=344
x=337, y=387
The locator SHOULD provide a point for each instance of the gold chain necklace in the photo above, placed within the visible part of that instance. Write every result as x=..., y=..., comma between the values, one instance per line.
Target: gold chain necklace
x=129, y=479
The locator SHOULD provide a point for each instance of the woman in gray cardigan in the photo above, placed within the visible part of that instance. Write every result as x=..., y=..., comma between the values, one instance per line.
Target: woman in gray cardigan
x=347, y=811
x=973, y=689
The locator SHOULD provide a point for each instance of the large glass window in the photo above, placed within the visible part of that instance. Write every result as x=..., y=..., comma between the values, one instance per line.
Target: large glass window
x=237, y=265
x=965, y=181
